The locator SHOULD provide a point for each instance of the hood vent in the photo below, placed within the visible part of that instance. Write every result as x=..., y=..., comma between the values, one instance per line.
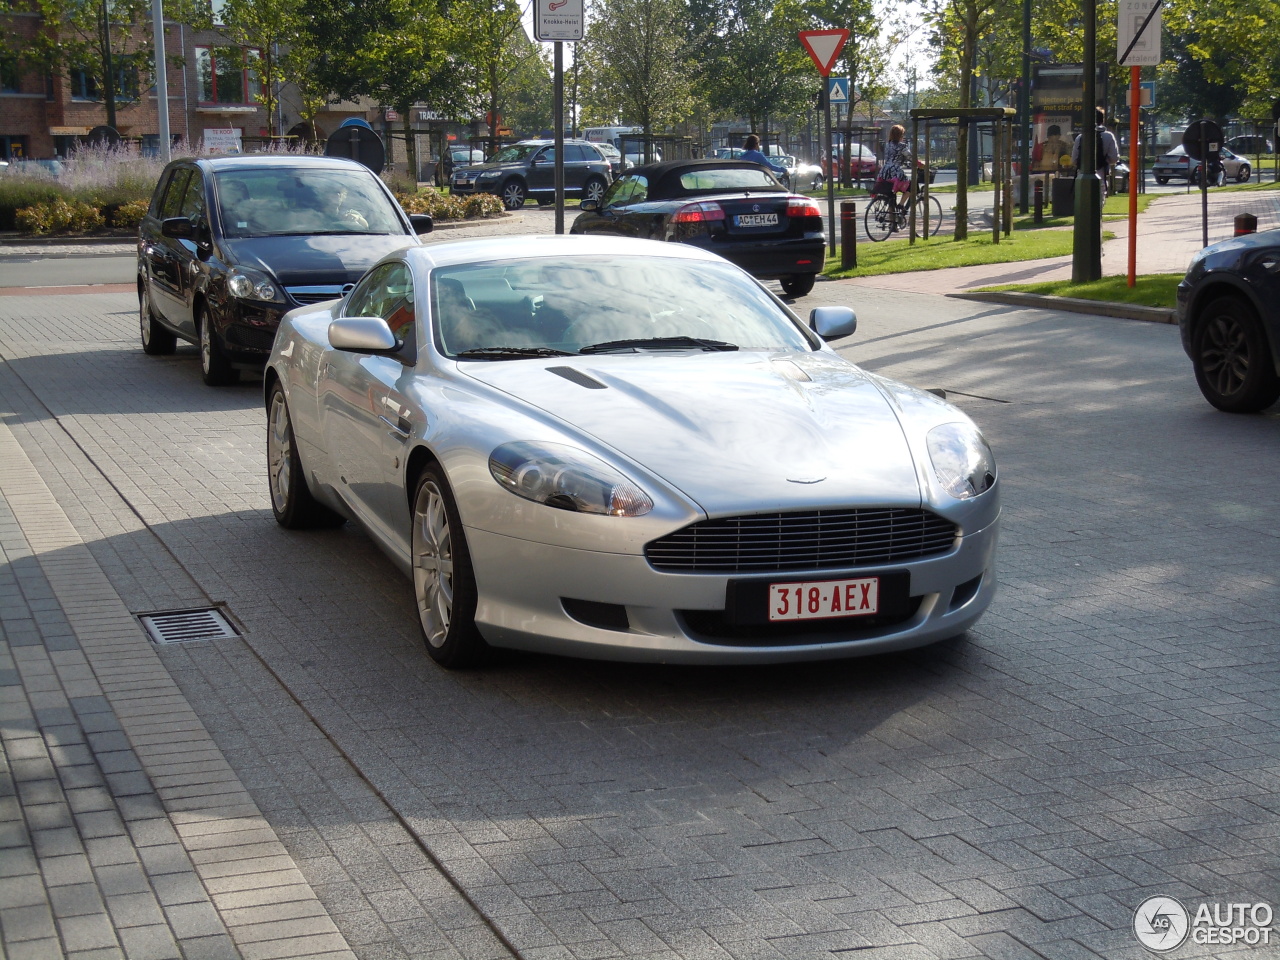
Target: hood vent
x=574, y=375
x=182, y=626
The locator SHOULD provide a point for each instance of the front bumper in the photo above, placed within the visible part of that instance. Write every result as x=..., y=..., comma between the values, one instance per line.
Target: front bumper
x=247, y=332
x=523, y=585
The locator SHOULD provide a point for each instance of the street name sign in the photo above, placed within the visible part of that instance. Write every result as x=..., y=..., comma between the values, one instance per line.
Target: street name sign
x=559, y=20
x=824, y=47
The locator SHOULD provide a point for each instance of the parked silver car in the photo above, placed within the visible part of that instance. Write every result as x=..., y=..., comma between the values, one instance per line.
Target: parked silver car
x=630, y=450
x=1176, y=165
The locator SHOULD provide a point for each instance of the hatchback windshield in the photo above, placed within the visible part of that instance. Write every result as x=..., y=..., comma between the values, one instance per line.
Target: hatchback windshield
x=282, y=201
x=605, y=304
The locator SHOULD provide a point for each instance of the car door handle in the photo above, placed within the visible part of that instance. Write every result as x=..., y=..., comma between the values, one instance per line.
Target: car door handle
x=400, y=429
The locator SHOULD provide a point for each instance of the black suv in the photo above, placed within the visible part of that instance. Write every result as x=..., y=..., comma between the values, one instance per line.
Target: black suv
x=528, y=169
x=230, y=244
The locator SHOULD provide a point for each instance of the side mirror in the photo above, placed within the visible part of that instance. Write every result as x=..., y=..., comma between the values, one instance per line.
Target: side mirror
x=361, y=335
x=421, y=223
x=589, y=205
x=180, y=228
x=832, y=323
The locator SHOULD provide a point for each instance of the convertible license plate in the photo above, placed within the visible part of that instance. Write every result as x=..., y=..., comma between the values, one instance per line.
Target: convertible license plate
x=756, y=220
x=824, y=599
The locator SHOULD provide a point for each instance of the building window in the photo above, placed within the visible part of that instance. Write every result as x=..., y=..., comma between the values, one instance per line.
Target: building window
x=10, y=76
x=227, y=75
x=85, y=86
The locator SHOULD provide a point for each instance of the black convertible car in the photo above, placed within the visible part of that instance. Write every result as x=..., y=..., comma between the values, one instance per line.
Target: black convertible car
x=731, y=207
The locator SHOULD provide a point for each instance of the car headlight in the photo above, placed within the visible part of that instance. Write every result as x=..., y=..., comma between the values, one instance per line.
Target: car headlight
x=249, y=284
x=567, y=478
x=962, y=460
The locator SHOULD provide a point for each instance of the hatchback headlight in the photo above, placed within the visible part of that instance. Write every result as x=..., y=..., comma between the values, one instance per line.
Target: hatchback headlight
x=249, y=284
x=962, y=461
x=567, y=478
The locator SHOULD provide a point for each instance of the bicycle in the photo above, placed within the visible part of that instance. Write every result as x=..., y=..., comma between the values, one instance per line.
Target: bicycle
x=884, y=216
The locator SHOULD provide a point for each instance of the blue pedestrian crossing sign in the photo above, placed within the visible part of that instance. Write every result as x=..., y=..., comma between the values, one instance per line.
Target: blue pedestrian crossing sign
x=838, y=89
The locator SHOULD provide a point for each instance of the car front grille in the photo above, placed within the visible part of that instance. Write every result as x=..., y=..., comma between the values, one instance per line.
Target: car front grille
x=318, y=293
x=812, y=540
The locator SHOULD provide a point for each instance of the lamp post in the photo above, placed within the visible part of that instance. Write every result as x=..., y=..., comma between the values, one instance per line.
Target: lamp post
x=1086, y=250
x=1024, y=112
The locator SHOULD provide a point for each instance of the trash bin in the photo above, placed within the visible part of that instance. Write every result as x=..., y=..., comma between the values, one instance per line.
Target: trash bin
x=1064, y=197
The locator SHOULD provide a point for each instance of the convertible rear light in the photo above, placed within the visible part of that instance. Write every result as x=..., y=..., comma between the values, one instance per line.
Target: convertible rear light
x=702, y=212
x=802, y=207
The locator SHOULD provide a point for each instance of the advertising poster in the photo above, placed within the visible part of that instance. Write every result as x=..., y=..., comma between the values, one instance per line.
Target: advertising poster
x=1057, y=111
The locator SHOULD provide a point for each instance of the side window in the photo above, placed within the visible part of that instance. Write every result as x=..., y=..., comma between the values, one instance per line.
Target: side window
x=576, y=153
x=626, y=191
x=172, y=201
x=388, y=293
x=548, y=155
x=193, y=198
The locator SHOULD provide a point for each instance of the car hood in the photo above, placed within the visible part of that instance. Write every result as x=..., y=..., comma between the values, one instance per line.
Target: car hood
x=745, y=431
x=314, y=260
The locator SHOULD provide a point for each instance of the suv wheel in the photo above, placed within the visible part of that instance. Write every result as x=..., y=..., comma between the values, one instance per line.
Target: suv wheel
x=594, y=188
x=513, y=194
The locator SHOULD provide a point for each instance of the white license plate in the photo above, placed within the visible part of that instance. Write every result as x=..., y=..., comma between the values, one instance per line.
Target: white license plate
x=757, y=220
x=824, y=599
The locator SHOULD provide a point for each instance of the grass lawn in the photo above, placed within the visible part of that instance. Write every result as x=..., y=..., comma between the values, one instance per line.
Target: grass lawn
x=937, y=253
x=1149, y=290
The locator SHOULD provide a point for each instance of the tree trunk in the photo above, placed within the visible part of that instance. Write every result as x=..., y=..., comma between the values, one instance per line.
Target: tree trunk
x=410, y=143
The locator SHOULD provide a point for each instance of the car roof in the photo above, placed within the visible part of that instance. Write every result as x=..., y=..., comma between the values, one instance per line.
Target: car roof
x=247, y=161
x=498, y=249
x=664, y=177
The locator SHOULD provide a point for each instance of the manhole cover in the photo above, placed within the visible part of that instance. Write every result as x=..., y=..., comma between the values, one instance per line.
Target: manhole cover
x=182, y=626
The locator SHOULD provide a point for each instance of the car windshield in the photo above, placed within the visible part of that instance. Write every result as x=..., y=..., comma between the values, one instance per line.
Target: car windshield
x=603, y=304
x=728, y=178
x=284, y=201
x=517, y=152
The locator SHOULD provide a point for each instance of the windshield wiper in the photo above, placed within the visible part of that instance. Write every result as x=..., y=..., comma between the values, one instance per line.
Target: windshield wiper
x=659, y=343
x=510, y=353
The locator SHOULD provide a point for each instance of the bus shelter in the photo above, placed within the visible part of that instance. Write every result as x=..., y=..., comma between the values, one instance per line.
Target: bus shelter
x=1001, y=120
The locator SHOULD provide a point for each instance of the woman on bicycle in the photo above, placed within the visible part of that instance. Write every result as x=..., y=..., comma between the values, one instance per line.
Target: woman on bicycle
x=897, y=161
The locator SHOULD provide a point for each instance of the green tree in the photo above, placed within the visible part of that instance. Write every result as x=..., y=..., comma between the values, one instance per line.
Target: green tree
x=635, y=63
x=497, y=56
x=270, y=26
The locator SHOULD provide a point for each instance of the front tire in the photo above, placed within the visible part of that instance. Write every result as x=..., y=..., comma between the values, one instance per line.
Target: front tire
x=156, y=340
x=291, y=500
x=798, y=285
x=513, y=194
x=214, y=365
x=1233, y=363
x=444, y=584
x=1242, y=175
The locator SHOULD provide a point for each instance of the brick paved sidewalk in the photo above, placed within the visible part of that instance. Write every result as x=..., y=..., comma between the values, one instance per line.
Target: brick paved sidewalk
x=1169, y=235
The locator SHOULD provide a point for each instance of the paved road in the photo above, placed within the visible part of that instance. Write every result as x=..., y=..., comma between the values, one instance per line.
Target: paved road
x=1107, y=733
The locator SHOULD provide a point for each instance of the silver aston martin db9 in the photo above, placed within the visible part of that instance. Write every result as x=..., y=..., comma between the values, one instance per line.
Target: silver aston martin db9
x=631, y=450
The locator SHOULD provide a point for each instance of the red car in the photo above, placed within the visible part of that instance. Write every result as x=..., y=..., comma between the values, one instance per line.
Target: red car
x=859, y=160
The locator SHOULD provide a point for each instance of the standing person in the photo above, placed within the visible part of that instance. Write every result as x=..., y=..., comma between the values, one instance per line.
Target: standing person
x=897, y=161
x=1108, y=150
x=751, y=153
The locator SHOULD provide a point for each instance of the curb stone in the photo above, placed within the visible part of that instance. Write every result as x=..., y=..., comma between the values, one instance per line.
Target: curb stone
x=1098, y=308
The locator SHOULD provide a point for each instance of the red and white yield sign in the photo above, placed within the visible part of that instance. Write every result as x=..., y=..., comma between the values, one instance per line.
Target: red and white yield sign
x=824, y=47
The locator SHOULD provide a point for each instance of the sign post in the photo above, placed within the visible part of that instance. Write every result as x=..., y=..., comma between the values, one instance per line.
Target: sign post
x=824, y=48
x=1202, y=142
x=557, y=21
x=1138, y=45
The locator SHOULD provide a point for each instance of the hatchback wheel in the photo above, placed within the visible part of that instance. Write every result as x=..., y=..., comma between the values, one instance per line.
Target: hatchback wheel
x=513, y=194
x=1242, y=175
x=798, y=285
x=156, y=340
x=214, y=366
x=1233, y=363
x=444, y=585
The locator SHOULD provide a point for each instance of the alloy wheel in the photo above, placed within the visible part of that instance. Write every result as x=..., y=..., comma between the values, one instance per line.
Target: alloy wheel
x=279, y=453
x=432, y=563
x=1224, y=355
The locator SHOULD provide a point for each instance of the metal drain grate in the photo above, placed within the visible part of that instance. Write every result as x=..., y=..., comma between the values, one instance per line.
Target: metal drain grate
x=182, y=626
